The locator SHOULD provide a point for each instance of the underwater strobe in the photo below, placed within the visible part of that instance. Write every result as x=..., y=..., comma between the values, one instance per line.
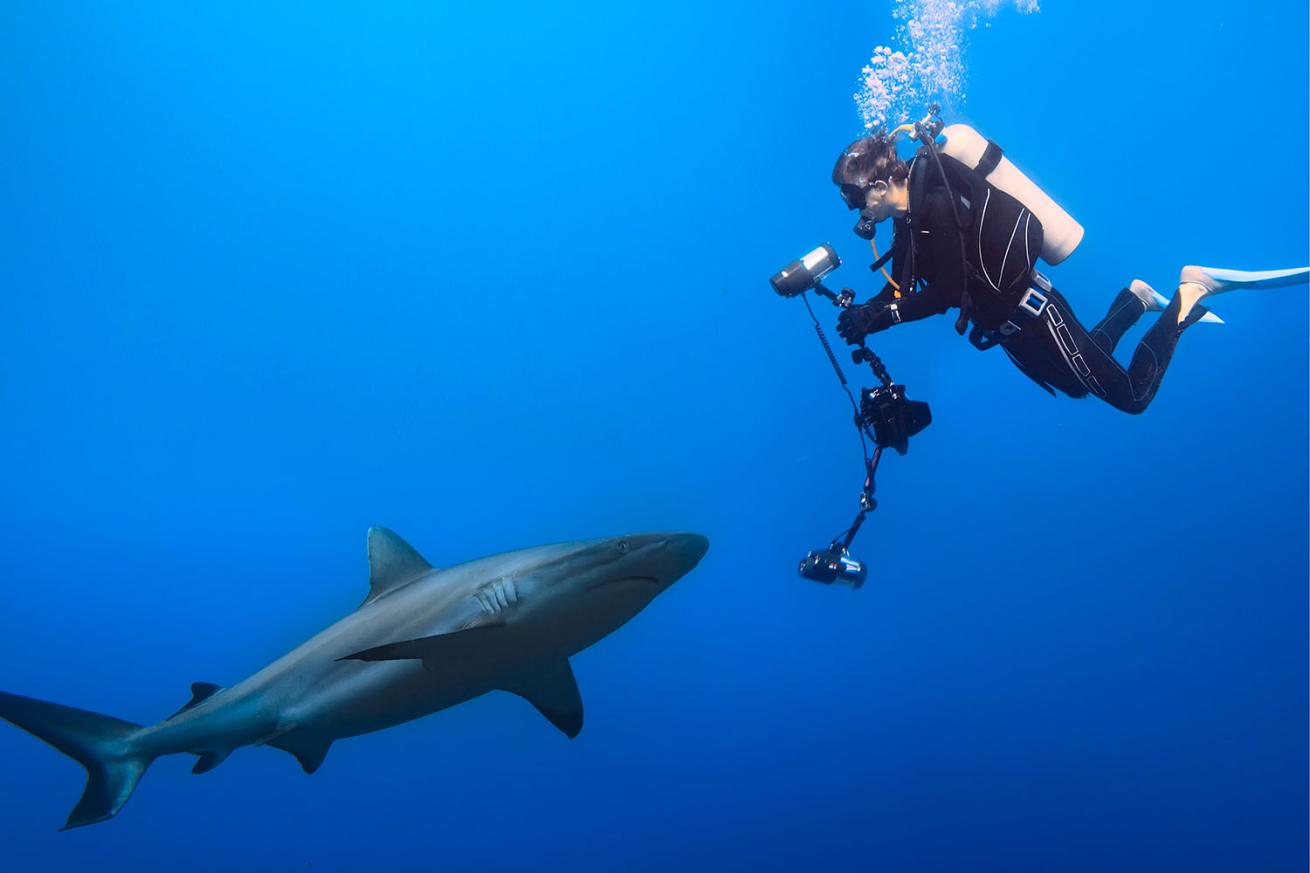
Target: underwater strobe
x=883, y=414
x=806, y=272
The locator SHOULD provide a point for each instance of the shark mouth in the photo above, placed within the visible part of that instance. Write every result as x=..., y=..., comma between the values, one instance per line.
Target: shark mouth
x=605, y=582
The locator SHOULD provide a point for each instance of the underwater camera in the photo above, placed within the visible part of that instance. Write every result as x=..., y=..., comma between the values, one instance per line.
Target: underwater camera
x=893, y=417
x=883, y=413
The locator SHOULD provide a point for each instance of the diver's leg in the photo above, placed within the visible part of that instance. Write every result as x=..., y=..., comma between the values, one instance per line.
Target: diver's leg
x=1198, y=283
x=1129, y=306
x=1126, y=308
x=1152, y=355
x=1058, y=349
x=1090, y=364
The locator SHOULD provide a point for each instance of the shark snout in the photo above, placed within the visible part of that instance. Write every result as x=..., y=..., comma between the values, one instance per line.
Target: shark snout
x=672, y=556
x=658, y=559
x=691, y=546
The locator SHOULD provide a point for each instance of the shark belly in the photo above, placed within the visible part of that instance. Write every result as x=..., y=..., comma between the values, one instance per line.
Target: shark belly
x=592, y=616
x=361, y=698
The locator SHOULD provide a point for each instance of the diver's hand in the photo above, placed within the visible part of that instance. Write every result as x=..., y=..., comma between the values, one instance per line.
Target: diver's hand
x=854, y=321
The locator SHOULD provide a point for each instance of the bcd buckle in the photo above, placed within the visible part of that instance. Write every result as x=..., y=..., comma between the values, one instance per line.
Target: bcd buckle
x=1033, y=302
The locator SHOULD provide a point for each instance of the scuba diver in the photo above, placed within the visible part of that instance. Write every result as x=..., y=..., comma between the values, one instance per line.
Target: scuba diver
x=968, y=230
x=969, y=227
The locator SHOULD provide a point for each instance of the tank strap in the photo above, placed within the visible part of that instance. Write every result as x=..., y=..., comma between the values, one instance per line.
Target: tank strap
x=991, y=158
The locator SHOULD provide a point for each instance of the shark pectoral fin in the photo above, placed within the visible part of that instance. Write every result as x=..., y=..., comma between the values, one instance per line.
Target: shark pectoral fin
x=440, y=652
x=309, y=749
x=551, y=687
x=392, y=562
x=209, y=760
x=200, y=692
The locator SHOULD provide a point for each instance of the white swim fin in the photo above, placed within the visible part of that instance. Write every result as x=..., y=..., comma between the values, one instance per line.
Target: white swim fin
x=1217, y=281
x=1154, y=301
x=1197, y=283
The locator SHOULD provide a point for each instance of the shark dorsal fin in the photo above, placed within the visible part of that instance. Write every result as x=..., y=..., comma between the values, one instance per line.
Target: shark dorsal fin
x=200, y=692
x=392, y=562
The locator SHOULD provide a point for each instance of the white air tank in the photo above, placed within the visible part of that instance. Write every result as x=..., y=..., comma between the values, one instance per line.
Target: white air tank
x=1061, y=234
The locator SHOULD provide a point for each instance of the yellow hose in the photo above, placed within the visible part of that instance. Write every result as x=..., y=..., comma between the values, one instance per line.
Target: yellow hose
x=896, y=289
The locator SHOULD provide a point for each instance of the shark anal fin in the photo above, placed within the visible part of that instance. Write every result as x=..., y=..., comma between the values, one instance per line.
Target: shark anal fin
x=200, y=692
x=551, y=687
x=481, y=645
x=392, y=563
x=309, y=749
x=209, y=760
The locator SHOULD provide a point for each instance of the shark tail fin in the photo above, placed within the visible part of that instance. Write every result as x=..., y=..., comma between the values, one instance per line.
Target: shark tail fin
x=101, y=744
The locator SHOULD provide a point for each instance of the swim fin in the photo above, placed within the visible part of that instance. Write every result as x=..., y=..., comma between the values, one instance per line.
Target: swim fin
x=1217, y=281
x=1154, y=301
x=1197, y=283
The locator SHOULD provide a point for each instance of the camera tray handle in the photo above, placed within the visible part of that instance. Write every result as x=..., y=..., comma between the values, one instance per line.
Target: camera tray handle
x=867, y=503
x=861, y=355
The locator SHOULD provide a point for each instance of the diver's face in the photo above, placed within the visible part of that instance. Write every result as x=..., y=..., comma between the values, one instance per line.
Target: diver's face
x=883, y=201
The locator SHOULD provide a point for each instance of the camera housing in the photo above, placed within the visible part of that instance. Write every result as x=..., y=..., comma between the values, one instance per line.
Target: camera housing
x=892, y=416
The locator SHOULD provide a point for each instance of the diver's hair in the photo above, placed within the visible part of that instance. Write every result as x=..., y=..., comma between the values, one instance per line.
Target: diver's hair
x=873, y=158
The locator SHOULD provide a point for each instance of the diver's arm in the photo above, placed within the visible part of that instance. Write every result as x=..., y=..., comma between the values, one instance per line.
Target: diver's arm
x=885, y=309
x=913, y=307
x=857, y=322
x=885, y=296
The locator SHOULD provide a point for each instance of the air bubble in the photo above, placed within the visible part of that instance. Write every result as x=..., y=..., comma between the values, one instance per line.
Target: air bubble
x=926, y=63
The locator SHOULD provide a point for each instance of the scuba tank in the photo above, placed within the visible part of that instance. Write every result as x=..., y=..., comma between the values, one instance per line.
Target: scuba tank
x=1061, y=233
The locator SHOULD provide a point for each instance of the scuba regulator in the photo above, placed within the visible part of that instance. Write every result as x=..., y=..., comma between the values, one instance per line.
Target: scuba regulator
x=883, y=414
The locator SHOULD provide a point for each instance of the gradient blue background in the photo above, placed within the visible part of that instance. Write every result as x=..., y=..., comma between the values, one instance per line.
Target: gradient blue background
x=496, y=274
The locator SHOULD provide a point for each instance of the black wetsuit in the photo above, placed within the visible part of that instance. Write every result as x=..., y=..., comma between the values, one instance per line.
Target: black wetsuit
x=986, y=266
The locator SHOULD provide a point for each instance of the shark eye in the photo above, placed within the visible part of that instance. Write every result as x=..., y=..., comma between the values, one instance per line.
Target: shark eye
x=623, y=547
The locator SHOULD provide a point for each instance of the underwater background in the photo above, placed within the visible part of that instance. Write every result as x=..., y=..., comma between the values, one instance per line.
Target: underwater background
x=495, y=274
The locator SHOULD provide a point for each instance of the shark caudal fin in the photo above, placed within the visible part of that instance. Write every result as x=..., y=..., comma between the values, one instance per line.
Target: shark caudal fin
x=99, y=743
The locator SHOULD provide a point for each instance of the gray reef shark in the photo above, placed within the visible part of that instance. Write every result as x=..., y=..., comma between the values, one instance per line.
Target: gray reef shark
x=423, y=640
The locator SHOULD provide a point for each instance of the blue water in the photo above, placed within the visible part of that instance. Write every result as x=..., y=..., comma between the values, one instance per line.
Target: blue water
x=495, y=275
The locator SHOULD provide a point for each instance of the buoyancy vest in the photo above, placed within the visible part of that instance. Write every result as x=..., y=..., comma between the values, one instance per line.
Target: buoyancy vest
x=1002, y=238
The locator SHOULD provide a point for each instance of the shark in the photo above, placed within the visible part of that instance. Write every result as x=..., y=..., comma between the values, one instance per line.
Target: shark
x=423, y=640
